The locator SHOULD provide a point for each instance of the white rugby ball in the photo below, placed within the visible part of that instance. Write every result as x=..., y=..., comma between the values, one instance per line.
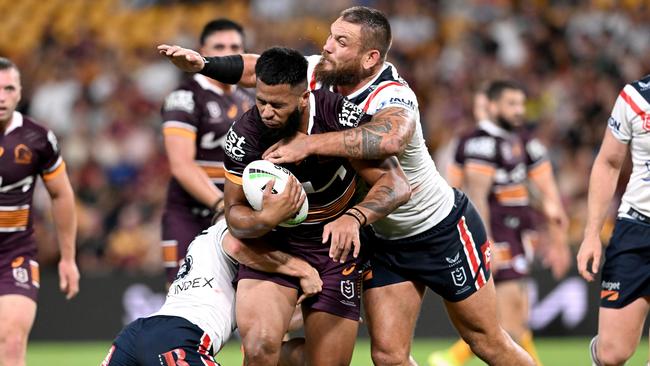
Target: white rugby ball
x=257, y=174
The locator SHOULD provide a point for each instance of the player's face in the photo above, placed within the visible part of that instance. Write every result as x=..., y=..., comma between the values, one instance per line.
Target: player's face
x=341, y=60
x=223, y=43
x=278, y=103
x=9, y=93
x=510, y=109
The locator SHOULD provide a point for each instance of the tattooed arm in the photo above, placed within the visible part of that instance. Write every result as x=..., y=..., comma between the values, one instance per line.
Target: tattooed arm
x=389, y=190
x=387, y=134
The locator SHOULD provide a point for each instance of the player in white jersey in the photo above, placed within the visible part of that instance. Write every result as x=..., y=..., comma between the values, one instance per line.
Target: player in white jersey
x=198, y=315
x=625, y=285
x=415, y=241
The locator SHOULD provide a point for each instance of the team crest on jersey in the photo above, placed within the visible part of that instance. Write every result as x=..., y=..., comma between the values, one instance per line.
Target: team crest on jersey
x=347, y=289
x=646, y=122
x=458, y=276
x=232, y=112
x=185, y=268
x=22, y=154
x=214, y=111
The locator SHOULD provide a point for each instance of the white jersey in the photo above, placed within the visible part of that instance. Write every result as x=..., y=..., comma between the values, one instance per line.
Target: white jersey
x=203, y=292
x=432, y=198
x=630, y=124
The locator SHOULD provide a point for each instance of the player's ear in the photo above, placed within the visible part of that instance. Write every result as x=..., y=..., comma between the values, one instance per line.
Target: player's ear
x=304, y=99
x=371, y=59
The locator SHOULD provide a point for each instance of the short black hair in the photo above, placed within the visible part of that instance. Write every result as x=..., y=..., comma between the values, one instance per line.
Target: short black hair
x=496, y=88
x=6, y=64
x=281, y=65
x=219, y=25
x=375, y=28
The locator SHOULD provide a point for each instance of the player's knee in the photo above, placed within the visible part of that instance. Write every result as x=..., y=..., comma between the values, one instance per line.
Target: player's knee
x=389, y=354
x=262, y=350
x=613, y=353
x=13, y=347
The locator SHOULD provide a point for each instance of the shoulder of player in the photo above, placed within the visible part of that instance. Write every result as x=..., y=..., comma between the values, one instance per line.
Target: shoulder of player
x=479, y=143
x=637, y=93
x=32, y=125
x=394, y=93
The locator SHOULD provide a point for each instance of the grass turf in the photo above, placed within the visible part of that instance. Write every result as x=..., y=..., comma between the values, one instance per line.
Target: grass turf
x=553, y=352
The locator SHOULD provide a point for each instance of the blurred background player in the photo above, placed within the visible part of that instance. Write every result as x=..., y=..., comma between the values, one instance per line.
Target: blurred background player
x=27, y=150
x=196, y=117
x=493, y=164
x=625, y=285
x=198, y=315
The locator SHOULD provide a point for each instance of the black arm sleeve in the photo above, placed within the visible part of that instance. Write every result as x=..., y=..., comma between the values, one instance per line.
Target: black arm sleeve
x=227, y=69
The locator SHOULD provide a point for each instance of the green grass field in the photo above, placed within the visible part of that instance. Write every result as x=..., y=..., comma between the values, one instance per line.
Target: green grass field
x=553, y=351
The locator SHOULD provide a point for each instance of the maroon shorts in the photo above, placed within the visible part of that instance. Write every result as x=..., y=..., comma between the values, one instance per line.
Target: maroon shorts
x=19, y=276
x=179, y=227
x=514, y=234
x=341, y=295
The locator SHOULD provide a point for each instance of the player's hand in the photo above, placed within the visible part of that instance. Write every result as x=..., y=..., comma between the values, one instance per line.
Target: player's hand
x=556, y=216
x=289, y=150
x=591, y=249
x=283, y=206
x=184, y=58
x=343, y=234
x=558, y=256
x=68, y=278
x=310, y=284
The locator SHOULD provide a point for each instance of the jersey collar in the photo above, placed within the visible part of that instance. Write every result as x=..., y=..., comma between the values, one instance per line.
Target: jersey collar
x=16, y=121
x=493, y=129
x=370, y=83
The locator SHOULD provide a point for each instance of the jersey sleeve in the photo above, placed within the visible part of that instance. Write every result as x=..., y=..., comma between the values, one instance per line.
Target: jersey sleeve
x=620, y=120
x=51, y=163
x=478, y=154
x=241, y=148
x=180, y=114
x=537, y=160
x=391, y=94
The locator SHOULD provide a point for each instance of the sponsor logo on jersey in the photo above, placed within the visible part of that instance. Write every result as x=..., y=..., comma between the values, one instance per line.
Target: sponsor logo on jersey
x=349, y=114
x=20, y=275
x=180, y=100
x=214, y=111
x=644, y=86
x=185, y=269
x=349, y=270
x=234, y=145
x=458, y=276
x=487, y=254
x=53, y=141
x=198, y=282
x=347, y=289
x=406, y=103
x=605, y=285
x=609, y=295
x=614, y=124
x=481, y=146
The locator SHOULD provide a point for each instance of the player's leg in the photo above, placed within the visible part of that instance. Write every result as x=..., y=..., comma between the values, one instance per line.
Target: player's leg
x=264, y=309
x=325, y=332
x=619, y=331
x=17, y=313
x=475, y=318
x=179, y=228
x=391, y=313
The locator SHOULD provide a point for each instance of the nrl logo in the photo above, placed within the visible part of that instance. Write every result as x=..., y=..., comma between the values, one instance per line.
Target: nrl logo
x=458, y=276
x=347, y=289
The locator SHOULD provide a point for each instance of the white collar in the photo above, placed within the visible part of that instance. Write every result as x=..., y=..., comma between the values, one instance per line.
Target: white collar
x=493, y=129
x=362, y=89
x=203, y=81
x=16, y=121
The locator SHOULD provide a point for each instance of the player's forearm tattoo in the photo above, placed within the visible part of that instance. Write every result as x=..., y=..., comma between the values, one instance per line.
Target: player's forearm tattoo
x=382, y=202
x=387, y=133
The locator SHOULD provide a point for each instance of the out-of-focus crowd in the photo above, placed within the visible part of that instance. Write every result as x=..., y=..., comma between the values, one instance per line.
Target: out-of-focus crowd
x=91, y=73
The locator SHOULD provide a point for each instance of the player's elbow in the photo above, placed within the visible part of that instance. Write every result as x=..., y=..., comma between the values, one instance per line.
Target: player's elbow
x=394, y=146
x=402, y=191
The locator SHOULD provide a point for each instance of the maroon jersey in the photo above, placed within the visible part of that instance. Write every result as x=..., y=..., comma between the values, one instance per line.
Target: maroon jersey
x=26, y=151
x=329, y=182
x=201, y=111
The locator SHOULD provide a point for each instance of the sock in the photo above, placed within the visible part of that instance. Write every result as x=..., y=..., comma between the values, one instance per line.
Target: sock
x=460, y=352
x=592, y=351
x=528, y=345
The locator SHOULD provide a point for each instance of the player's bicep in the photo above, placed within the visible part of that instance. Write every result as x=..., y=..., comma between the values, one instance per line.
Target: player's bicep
x=612, y=151
x=478, y=179
x=371, y=171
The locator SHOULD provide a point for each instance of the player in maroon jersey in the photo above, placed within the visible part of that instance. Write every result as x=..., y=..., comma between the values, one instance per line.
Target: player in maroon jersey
x=196, y=117
x=28, y=150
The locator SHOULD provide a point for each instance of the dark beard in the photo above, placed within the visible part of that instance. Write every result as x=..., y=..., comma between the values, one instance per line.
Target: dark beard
x=350, y=74
x=505, y=124
x=273, y=135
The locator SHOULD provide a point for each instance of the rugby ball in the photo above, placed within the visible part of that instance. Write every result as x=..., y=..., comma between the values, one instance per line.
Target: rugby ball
x=257, y=174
